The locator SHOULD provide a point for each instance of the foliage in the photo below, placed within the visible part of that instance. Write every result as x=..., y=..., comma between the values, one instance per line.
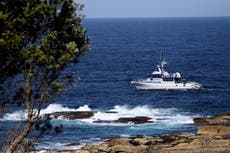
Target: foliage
x=38, y=40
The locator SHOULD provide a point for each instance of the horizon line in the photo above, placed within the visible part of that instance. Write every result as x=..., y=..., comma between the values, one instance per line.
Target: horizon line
x=157, y=17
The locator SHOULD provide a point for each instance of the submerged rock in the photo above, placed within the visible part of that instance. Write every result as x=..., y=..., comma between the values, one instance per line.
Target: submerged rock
x=135, y=120
x=72, y=144
x=103, y=121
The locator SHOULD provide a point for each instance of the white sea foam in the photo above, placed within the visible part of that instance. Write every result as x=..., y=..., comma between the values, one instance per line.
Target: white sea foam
x=157, y=115
x=58, y=146
x=52, y=108
x=15, y=116
x=44, y=147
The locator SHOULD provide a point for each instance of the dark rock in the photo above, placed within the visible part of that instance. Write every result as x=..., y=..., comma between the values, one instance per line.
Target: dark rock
x=200, y=121
x=226, y=136
x=169, y=138
x=135, y=143
x=135, y=120
x=59, y=129
x=72, y=115
x=111, y=112
x=72, y=144
x=227, y=115
x=221, y=119
x=140, y=141
x=136, y=136
x=103, y=121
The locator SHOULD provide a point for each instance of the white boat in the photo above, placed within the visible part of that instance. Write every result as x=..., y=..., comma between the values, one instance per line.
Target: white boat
x=161, y=79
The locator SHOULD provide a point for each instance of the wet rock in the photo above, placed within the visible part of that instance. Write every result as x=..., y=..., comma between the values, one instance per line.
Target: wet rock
x=103, y=121
x=200, y=121
x=135, y=120
x=214, y=130
x=72, y=144
x=221, y=119
x=111, y=112
x=71, y=115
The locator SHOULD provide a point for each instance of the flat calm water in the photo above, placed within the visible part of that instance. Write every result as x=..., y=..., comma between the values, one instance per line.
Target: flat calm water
x=128, y=49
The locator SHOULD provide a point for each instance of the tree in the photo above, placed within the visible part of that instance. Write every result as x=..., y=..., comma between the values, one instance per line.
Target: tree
x=38, y=40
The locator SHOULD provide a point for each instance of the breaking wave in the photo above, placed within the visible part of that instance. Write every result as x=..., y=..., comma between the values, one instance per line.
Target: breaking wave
x=52, y=108
x=157, y=115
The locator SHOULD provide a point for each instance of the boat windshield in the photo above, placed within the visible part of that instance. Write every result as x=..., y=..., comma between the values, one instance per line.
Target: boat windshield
x=155, y=75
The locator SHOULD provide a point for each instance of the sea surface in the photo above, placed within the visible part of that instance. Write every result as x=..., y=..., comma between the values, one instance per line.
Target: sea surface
x=128, y=49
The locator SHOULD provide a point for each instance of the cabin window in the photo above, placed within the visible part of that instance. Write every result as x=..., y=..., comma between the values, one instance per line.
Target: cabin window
x=155, y=76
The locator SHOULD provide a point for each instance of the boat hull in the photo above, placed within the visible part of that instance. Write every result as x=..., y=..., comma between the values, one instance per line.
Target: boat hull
x=166, y=85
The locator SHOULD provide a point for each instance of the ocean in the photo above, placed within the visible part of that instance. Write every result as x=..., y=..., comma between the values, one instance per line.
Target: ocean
x=127, y=49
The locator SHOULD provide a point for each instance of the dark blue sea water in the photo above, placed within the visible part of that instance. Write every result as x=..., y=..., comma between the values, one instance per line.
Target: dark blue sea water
x=128, y=49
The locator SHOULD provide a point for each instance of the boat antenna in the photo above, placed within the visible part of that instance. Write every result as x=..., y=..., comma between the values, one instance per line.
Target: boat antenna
x=165, y=55
x=160, y=56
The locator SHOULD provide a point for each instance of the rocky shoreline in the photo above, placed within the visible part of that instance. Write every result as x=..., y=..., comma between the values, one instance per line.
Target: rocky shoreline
x=213, y=136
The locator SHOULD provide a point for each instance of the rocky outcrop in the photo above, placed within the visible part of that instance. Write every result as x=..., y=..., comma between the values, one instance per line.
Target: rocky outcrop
x=177, y=143
x=87, y=114
x=71, y=115
x=135, y=120
x=212, y=138
x=221, y=119
x=214, y=130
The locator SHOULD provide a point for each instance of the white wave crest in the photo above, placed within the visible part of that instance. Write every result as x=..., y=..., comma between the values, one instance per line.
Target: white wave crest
x=52, y=108
x=157, y=115
x=15, y=116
